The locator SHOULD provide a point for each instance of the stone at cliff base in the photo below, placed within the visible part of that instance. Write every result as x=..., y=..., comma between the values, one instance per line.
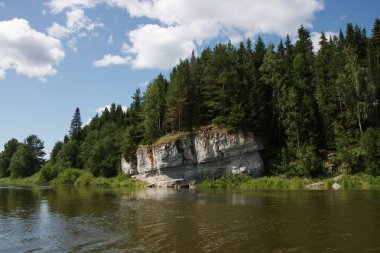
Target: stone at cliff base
x=336, y=186
x=207, y=153
x=316, y=186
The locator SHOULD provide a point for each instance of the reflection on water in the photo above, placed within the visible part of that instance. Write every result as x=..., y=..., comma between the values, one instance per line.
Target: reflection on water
x=165, y=220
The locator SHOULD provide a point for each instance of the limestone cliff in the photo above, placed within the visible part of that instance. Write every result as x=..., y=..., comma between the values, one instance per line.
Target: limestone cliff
x=207, y=153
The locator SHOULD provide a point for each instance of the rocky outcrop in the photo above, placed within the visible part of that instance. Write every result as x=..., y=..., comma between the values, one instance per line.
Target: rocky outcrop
x=207, y=153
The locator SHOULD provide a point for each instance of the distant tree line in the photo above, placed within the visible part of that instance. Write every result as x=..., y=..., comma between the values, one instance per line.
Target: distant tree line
x=318, y=113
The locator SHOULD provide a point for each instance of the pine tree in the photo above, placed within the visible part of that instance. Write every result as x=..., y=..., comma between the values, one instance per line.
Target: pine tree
x=134, y=133
x=76, y=126
x=326, y=92
x=270, y=73
x=36, y=147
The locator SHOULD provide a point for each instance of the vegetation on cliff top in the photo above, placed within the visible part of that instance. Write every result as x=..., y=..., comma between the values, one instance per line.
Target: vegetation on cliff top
x=319, y=112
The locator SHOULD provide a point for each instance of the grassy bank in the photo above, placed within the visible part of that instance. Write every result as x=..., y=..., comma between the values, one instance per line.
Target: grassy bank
x=74, y=177
x=359, y=182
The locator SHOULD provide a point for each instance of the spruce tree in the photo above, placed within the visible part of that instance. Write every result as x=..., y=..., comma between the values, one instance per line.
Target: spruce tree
x=75, y=131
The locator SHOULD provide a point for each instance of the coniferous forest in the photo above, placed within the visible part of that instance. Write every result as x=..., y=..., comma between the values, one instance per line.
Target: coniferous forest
x=317, y=112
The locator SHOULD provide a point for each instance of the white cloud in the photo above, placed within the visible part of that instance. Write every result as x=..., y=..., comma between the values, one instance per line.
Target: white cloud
x=185, y=24
x=76, y=22
x=315, y=38
x=182, y=25
x=57, y=6
x=108, y=60
x=154, y=46
x=28, y=51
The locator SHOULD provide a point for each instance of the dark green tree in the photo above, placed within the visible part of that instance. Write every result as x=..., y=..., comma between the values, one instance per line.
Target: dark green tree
x=154, y=109
x=36, y=149
x=101, y=150
x=68, y=155
x=76, y=126
x=53, y=155
x=6, y=156
x=134, y=133
x=22, y=162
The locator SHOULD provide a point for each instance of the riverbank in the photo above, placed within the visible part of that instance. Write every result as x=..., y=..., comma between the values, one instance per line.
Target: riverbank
x=356, y=182
x=75, y=177
x=84, y=178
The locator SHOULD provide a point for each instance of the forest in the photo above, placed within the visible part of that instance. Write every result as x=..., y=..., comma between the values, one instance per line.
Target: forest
x=317, y=112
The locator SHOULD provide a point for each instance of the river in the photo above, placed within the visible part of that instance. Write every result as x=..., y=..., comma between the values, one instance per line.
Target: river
x=44, y=219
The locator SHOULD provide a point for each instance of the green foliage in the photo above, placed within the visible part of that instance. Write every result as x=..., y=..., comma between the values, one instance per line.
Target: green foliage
x=76, y=126
x=263, y=183
x=68, y=155
x=101, y=151
x=154, y=109
x=36, y=152
x=85, y=179
x=370, y=144
x=5, y=157
x=68, y=177
x=22, y=163
x=54, y=153
x=49, y=172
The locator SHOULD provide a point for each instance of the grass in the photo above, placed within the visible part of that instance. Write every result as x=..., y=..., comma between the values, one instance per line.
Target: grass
x=32, y=180
x=77, y=178
x=360, y=181
x=357, y=182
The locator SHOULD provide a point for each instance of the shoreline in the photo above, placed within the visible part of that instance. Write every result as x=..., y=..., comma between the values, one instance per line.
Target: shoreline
x=345, y=182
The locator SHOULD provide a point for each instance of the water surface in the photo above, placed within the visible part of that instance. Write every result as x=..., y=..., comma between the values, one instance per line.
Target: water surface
x=48, y=219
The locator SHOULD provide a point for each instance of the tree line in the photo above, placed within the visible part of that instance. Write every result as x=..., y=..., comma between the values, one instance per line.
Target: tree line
x=317, y=112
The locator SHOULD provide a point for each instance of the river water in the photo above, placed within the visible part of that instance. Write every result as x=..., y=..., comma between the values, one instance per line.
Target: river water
x=47, y=219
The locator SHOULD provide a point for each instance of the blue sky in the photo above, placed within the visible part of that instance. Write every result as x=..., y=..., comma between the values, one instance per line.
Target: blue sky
x=56, y=55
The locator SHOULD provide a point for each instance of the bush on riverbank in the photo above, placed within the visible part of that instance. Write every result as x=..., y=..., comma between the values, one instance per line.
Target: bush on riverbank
x=74, y=177
x=359, y=182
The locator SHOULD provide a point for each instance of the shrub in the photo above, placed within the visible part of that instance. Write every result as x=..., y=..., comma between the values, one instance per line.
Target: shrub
x=68, y=176
x=49, y=172
x=85, y=179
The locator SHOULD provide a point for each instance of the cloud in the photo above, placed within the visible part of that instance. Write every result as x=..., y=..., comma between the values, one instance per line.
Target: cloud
x=184, y=25
x=76, y=22
x=27, y=51
x=154, y=46
x=108, y=60
x=177, y=27
x=57, y=6
x=315, y=38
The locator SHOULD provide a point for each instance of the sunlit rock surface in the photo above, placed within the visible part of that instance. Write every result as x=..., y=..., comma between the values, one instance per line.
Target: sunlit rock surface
x=207, y=153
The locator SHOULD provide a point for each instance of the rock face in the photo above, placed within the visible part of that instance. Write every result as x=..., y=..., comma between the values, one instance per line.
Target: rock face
x=207, y=153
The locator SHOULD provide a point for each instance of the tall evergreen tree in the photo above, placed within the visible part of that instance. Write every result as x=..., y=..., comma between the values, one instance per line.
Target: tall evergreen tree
x=154, y=108
x=76, y=126
x=134, y=133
